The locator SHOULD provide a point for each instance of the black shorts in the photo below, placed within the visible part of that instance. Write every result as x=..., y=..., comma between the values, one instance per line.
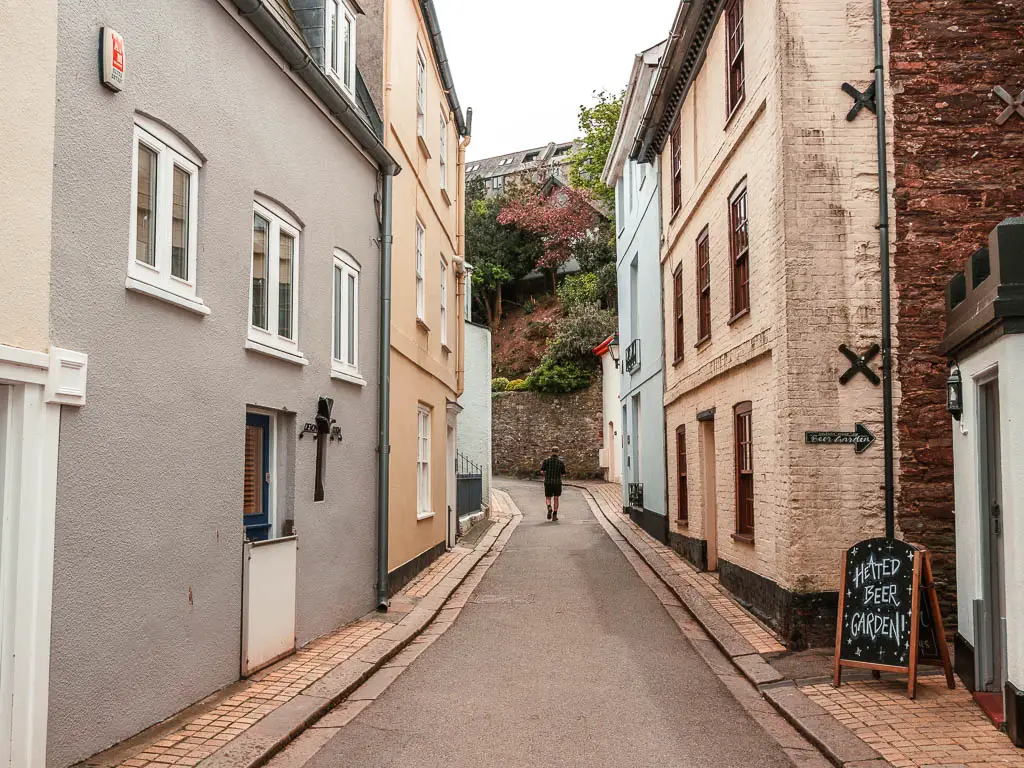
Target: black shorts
x=552, y=489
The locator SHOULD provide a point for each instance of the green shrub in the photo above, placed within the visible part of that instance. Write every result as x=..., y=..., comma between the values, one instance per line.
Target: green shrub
x=530, y=306
x=499, y=384
x=517, y=385
x=537, y=330
x=558, y=377
x=579, y=290
x=578, y=334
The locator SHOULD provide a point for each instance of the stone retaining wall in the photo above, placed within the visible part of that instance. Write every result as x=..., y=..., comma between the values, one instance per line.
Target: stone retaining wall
x=526, y=424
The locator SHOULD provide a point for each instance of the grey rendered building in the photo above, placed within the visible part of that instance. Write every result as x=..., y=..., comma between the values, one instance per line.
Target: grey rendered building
x=638, y=270
x=216, y=240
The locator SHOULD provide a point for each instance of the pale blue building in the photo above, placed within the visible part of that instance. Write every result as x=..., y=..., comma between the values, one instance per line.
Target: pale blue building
x=638, y=233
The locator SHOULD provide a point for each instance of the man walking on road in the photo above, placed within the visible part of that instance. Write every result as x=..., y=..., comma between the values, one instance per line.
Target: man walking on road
x=552, y=468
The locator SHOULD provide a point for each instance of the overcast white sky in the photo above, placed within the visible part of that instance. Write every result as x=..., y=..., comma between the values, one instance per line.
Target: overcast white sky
x=525, y=66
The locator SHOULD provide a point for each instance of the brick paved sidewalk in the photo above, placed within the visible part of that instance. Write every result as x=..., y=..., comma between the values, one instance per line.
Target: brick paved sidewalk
x=192, y=740
x=939, y=729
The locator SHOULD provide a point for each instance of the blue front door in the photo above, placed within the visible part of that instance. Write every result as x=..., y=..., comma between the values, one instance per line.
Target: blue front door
x=256, y=501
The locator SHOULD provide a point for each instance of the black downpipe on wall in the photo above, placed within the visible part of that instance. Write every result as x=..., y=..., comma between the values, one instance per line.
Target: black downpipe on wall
x=883, y=247
x=384, y=393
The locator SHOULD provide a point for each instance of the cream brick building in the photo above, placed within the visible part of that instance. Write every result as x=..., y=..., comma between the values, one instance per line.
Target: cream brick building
x=769, y=263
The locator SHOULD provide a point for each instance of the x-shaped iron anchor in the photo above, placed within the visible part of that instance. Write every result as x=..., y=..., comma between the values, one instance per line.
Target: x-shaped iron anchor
x=1016, y=104
x=860, y=100
x=859, y=364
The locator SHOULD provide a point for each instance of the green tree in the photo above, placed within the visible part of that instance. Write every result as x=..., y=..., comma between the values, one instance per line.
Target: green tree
x=499, y=253
x=583, y=328
x=596, y=255
x=597, y=125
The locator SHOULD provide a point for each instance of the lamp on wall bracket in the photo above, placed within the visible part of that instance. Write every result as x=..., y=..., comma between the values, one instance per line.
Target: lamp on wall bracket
x=613, y=349
x=955, y=392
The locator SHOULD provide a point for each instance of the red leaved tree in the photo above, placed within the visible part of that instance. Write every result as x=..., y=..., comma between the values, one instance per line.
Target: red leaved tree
x=561, y=218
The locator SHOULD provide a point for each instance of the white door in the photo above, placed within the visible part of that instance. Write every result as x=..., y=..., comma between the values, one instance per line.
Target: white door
x=710, y=491
x=992, y=520
x=6, y=641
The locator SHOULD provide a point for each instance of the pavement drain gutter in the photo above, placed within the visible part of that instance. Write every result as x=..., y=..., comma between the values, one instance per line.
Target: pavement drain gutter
x=264, y=739
x=836, y=742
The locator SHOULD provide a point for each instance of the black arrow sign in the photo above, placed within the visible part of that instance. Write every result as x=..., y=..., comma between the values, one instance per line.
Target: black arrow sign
x=862, y=438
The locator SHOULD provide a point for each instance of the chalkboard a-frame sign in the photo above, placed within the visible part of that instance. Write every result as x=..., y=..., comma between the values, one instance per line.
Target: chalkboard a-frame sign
x=889, y=612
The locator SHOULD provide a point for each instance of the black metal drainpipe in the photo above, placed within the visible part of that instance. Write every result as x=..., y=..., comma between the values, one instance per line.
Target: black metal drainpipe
x=384, y=394
x=883, y=232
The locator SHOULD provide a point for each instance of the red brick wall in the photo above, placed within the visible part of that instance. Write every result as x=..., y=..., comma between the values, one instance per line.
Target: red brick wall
x=958, y=174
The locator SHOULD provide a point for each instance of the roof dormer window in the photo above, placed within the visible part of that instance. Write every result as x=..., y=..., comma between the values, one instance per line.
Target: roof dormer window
x=340, y=44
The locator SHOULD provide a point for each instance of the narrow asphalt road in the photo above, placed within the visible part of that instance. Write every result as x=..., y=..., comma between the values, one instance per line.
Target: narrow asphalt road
x=563, y=657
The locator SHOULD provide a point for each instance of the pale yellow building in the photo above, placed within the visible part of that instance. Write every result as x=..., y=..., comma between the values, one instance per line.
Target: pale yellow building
x=426, y=131
x=769, y=263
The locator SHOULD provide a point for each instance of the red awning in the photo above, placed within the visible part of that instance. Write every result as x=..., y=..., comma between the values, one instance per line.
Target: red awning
x=602, y=348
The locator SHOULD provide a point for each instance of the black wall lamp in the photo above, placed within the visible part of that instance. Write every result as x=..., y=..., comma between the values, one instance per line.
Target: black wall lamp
x=955, y=393
x=613, y=349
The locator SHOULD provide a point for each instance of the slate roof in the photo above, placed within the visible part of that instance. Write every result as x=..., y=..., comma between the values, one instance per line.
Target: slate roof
x=554, y=156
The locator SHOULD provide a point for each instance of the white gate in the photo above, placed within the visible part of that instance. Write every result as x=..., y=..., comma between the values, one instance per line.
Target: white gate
x=268, y=602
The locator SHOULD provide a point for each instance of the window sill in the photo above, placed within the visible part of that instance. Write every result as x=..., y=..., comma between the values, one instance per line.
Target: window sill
x=446, y=197
x=339, y=81
x=702, y=342
x=675, y=215
x=195, y=305
x=424, y=515
x=677, y=361
x=744, y=538
x=683, y=525
x=446, y=349
x=739, y=316
x=735, y=110
x=423, y=145
x=422, y=324
x=351, y=378
x=280, y=354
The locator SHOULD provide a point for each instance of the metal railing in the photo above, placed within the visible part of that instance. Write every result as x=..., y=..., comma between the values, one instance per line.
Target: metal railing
x=469, y=485
x=632, y=360
x=636, y=495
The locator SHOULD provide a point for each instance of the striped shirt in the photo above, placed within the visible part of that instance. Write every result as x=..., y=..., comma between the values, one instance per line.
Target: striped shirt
x=553, y=468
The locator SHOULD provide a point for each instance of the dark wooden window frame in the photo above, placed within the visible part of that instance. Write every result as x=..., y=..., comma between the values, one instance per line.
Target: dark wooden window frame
x=744, y=441
x=734, y=60
x=675, y=153
x=703, y=287
x=682, y=504
x=677, y=314
x=739, y=251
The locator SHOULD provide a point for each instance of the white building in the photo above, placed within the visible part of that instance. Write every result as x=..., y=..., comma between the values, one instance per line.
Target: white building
x=610, y=457
x=474, y=438
x=985, y=343
x=638, y=270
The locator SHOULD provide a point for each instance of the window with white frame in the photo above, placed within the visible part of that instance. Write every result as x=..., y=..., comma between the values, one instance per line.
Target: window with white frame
x=443, y=149
x=421, y=93
x=273, y=298
x=345, y=331
x=340, y=43
x=421, y=285
x=444, y=303
x=163, y=231
x=423, y=505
